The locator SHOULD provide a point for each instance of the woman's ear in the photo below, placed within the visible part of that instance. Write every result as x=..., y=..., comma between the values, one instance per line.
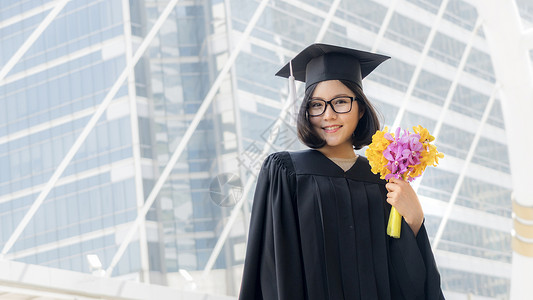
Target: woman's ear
x=361, y=112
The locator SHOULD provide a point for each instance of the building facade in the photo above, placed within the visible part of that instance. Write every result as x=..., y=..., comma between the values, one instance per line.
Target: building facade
x=440, y=76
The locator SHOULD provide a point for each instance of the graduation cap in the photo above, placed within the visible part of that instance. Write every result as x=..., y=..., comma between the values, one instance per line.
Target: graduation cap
x=320, y=62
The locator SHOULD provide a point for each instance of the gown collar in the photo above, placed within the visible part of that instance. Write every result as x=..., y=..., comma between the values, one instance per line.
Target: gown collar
x=313, y=162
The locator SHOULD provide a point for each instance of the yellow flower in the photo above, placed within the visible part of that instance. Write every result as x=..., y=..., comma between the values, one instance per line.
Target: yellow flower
x=428, y=157
x=374, y=153
x=424, y=134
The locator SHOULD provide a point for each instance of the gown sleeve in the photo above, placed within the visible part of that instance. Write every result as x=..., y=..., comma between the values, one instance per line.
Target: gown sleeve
x=273, y=263
x=413, y=268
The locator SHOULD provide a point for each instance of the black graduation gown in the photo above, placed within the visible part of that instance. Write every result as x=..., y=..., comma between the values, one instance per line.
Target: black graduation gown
x=318, y=232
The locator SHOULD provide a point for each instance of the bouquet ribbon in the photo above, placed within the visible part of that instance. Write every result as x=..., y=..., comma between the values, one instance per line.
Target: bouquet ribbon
x=394, y=227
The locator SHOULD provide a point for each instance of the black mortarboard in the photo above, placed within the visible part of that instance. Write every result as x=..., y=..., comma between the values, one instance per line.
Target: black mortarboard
x=320, y=62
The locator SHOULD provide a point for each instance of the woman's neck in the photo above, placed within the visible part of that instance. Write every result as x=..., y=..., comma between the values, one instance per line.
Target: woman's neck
x=340, y=151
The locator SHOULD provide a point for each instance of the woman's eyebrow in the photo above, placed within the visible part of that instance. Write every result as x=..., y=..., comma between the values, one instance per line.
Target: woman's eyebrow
x=339, y=95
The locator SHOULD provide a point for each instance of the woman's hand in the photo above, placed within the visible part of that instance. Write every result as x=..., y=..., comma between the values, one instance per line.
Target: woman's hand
x=402, y=196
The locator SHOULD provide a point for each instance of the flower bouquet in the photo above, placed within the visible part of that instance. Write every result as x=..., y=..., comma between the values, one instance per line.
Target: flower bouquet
x=403, y=155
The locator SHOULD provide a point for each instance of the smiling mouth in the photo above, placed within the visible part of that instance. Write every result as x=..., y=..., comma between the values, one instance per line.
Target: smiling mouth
x=330, y=129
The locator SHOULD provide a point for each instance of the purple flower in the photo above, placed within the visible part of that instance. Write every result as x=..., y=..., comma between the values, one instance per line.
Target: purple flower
x=414, y=142
x=402, y=153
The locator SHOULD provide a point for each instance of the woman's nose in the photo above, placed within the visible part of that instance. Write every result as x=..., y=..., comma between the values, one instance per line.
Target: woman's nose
x=329, y=113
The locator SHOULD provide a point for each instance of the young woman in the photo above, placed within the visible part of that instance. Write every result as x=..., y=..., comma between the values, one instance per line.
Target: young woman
x=319, y=217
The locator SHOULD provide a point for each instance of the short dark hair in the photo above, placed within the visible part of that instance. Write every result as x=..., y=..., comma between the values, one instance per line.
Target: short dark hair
x=362, y=135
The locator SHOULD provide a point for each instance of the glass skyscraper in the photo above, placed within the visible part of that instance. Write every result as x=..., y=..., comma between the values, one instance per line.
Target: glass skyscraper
x=52, y=91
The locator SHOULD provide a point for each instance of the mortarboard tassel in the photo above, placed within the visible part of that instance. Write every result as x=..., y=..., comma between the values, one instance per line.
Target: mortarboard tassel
x=293, y=113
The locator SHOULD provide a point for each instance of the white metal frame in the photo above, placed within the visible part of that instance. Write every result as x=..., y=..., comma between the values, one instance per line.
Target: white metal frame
x=451, y=92
x=28, y=14
x=462, y=174
x=248, y=186
x=510, y=43
x=325, y=25
x=186, y=137
x=420, y=63
x=32, y=38
x=384, y=25
x=456, y=78
x=135, y=141
x=447, y=102
x=88, y=128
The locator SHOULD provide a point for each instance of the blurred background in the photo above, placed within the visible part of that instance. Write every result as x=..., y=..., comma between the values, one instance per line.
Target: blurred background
x=130, y=131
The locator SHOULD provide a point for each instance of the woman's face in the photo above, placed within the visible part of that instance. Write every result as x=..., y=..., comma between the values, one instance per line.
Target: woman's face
x=336, y=129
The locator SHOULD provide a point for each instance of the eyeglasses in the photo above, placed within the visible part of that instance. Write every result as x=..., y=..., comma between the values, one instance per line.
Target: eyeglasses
x=340, y=105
